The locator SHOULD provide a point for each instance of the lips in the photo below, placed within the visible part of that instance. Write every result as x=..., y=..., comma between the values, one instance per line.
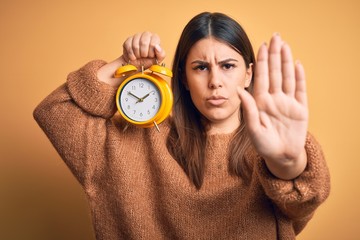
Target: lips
x=216, y=100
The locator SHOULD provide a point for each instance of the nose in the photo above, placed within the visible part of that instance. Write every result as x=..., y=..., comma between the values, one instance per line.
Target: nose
x=215, y=80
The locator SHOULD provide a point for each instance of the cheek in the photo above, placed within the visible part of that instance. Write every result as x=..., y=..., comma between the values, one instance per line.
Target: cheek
x=197, y=87
x=233, y=92
x=235, y=99
x=197, y=94
x=243, y=82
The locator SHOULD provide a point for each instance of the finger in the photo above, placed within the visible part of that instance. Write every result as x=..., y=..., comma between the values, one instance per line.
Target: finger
x=154, y=40
x=136, y=45
x=275, y=75
x=261, y=81
x=156, y=49
x=250, y=110
x=159, y=53
x=288, y=72
x=300, y=92
x=128, y=52
x=144, y=44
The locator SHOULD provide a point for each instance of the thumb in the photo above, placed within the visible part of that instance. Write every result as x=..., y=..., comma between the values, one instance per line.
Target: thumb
x=250, y=110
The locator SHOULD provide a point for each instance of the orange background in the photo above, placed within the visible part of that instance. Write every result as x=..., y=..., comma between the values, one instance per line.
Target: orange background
x=41, y=41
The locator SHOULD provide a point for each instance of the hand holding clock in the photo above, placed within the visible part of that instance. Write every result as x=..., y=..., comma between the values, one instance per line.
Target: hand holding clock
x=141, y=49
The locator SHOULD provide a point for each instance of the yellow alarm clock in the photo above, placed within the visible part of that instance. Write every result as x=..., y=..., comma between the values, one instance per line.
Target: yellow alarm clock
x=144, y=99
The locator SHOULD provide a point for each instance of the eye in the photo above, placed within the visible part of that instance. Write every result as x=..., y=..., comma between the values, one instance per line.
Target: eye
x=228, y=66
x=201, y=67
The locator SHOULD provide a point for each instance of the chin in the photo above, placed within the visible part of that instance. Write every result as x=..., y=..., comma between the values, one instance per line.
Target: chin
x=221, y=116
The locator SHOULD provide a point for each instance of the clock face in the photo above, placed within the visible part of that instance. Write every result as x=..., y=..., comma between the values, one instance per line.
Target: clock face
x=140, y=99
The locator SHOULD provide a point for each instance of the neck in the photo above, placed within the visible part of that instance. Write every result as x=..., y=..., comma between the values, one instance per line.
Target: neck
x=218, y=128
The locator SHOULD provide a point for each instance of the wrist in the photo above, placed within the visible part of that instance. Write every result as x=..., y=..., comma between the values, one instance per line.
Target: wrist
x=287, y=169
x=106, y=73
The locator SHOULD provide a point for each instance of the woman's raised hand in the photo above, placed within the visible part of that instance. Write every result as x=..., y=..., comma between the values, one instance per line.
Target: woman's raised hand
x=142, y=50
x=277, y=113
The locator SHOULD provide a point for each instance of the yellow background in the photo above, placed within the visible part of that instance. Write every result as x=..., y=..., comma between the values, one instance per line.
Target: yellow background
x=41, y=41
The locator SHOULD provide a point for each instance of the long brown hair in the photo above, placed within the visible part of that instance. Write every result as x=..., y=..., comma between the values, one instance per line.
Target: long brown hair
x=187, y=139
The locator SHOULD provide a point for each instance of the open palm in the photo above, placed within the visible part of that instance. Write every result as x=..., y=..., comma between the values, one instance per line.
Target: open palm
x=277, y=113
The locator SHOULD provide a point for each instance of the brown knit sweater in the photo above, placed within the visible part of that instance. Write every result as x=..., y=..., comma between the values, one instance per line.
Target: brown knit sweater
x=136, y=190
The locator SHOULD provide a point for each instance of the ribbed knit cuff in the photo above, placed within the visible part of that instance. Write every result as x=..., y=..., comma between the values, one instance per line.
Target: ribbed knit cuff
x=313, y=182
x=90, y=94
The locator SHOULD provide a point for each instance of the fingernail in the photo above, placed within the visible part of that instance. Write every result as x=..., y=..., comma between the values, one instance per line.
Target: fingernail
x=158, y=48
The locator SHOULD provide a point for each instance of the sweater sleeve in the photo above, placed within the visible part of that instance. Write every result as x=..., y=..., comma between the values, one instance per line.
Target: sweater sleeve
x=299, y=198
x=74, y=118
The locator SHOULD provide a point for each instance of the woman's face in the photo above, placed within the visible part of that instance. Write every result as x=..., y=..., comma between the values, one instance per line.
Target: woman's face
x=214, y=71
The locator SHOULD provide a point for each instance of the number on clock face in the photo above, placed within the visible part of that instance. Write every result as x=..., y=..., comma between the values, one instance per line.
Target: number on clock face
x=140, y=99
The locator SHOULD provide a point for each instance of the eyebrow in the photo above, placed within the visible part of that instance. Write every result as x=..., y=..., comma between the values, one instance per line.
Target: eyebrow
x=221, y=62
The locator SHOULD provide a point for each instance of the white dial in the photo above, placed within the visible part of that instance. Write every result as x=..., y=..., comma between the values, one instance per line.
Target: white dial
x=140, y=99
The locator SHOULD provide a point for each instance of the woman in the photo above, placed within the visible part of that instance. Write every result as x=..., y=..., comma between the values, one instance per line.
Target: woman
x=226, y=165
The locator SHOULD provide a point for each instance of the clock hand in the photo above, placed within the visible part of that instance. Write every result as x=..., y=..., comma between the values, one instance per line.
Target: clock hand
x=139, y=99
x=146, y=96
x=142, y=99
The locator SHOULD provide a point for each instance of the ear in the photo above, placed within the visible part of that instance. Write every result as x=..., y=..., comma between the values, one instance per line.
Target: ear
x=248, y=75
